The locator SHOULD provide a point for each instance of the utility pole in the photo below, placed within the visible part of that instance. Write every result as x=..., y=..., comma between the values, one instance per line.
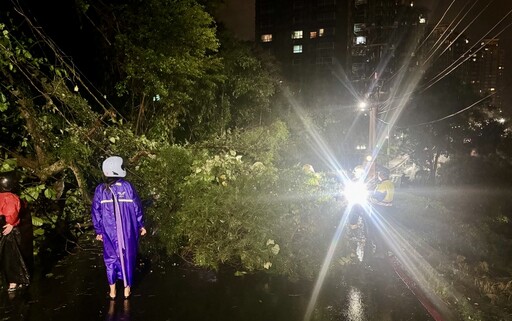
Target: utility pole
x=372, y=132
x=374, y=107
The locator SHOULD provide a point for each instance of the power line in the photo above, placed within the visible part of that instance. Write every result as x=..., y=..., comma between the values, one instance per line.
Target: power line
x=442, y=118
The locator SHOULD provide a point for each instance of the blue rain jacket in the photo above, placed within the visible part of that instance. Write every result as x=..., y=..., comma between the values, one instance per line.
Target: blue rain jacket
x=117, y=216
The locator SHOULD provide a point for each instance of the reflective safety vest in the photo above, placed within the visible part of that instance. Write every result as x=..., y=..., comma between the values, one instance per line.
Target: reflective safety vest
x=384, y=193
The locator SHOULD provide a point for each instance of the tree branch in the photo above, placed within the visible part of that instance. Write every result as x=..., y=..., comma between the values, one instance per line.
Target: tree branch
x=81, y=183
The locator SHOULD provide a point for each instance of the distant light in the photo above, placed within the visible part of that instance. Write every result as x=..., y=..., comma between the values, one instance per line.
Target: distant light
x=297, y=34
x=362, y=105
x=360, y=40
x=423, y=20
x=266, y=38
x=501, y=120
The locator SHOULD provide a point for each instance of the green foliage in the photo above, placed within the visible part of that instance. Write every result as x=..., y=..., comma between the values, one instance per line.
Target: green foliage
x=158, y=178
x=75, y=209
x=33, y=192
x=47, y=134
x=241, y=95
x=164, y=59
x=236, y=210
x=8, y=164
x=251, y=81
x=194, y=195
x=262, y=143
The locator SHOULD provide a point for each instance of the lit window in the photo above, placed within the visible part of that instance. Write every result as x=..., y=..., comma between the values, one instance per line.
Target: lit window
x=313, y=34
x=321, y=32
x=359, y=27
x=297, y=34
x=266, y=38
x=297, y=49
x=360, y=40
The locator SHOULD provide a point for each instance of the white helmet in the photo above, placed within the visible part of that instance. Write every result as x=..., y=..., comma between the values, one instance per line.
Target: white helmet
x=358, y=171
x=113, y=167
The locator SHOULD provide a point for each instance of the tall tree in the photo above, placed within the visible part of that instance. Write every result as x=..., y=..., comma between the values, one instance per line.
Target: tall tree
x=162, y=52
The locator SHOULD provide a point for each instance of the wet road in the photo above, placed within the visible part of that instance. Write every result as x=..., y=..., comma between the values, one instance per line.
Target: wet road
x=76, y=289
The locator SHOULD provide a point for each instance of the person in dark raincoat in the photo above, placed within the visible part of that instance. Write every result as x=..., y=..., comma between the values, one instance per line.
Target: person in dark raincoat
x=118, y=221
x=12, y=264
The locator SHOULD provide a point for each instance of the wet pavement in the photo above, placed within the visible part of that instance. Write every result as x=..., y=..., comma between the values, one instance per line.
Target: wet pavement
x=76, y=289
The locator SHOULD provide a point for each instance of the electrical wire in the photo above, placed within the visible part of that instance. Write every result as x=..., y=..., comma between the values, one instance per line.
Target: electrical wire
x=444, y=117
x=59, y=54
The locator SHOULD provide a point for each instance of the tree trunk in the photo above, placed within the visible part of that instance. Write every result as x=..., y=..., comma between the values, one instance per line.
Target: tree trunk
x=433, y=170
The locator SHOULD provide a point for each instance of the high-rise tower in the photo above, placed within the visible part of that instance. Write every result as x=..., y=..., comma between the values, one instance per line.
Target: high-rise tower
x=309, y=39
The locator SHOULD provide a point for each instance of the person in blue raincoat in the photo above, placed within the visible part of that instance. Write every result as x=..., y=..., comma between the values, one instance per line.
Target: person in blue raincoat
x=118, y=221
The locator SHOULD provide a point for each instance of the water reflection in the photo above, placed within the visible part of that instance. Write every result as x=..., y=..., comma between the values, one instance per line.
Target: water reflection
x=360, y=294
x=17, y=303
x=355, y=306
x=118, y=311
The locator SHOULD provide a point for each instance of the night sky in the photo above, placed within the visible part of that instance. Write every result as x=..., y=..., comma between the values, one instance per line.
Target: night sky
x=238, y=16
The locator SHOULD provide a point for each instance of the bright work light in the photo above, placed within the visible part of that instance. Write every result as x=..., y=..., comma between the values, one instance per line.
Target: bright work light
x=356, y=192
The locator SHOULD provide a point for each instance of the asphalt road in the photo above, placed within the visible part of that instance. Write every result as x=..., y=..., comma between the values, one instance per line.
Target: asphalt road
x=76, y=289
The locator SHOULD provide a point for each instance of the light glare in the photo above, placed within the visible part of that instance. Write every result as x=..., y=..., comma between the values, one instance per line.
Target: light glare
x=356, y=192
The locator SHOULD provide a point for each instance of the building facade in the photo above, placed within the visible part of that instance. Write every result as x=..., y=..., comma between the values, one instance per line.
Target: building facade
x=309, y=38
x=485, y=70
x=343, y=45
